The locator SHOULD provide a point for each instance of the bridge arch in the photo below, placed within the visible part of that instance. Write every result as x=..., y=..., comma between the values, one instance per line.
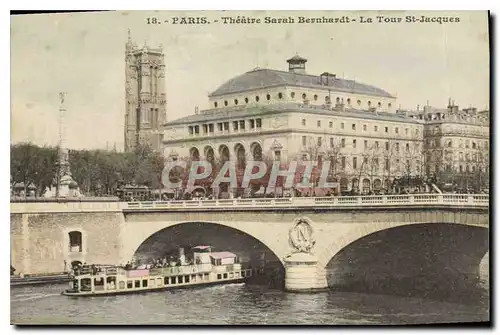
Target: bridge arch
x=419, y=256
x=342, y=241
x=135, y=236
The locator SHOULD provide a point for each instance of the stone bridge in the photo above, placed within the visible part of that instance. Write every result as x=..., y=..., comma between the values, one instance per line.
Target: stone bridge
x=315, y=242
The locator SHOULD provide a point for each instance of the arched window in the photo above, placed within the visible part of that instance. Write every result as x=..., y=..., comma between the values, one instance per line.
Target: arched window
x=379, y=104
x=359, y=102
x=348, y=101
x=235, y=101
x=75, y=241
x=369, y=103
x=280, y=95
x=337, y=100
x=268, y=97
x=315, y=97
x=389, y=105
x=257, y=98
x=292, y=94
x=304, y=96
x=246, y=100
x=225, y=102
x=215, y=104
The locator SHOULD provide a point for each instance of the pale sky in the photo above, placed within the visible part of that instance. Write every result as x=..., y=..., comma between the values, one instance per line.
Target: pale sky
x=83, y=54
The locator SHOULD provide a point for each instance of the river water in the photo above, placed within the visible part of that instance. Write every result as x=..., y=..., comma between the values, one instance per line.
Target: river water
x=244, y=304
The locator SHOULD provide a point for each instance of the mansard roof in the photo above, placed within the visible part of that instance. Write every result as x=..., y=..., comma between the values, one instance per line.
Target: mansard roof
x=266, y=78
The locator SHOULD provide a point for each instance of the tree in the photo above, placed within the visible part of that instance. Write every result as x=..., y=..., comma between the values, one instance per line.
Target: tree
x=24, y=161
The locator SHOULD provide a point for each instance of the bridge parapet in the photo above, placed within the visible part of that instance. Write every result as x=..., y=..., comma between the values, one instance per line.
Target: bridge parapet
x=454, y=200
x=64, y=207
x=480, y=201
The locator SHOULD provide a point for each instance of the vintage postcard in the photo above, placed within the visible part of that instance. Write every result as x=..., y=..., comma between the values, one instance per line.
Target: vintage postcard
x=250, y=168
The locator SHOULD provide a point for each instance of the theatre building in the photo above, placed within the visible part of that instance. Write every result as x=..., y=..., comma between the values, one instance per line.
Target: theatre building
x=292, y=115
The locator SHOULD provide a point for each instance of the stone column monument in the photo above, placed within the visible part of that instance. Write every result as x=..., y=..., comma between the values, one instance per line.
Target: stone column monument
x=65, y=186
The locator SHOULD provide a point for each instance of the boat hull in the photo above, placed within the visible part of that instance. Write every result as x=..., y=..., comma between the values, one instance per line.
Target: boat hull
x=155, y=289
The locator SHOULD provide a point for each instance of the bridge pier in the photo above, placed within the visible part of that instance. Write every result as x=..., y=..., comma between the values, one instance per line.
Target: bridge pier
x=302, y=274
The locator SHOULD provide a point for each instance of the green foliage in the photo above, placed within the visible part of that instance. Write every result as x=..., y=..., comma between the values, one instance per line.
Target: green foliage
x=95, y=171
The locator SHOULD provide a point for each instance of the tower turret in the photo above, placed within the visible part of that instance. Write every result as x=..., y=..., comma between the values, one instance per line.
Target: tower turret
x=297, y=64
x=145, y=95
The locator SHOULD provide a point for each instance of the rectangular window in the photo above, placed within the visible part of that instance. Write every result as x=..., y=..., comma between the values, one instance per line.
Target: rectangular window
x=190, y=130
x=387, y=164
x=354, y=162
x=173, y=280
x=406, y=131
x=235, y=125
x=137, y=284
x=144, y=283
x=226, y=126
x=397, y=146
x=242, y=124
x=205, y=128
x=186, y=279
x=396, y=130
x=375, y=128
x=407, y=147
x=319, y=123
x=211, y=128
x=343, y=162
x=225, y=275
x=219, y=126
x=353, y=126
x=354, y=143
x=242, y=273
x=387, y=146
x=219, y=276
x=342, y=125
x=330, y=124
x=166, y=281
x=130, y=284
x=386, y=129
x=179, y=279
x=366, y=144
x=364, y=127
x=205, y=276
x=252, y=124
x=342, y=143
x=304, y=141
x=258, y=123
x=303, y=122
x=331, y=142
x=196, y=130
x=376, y=144
x=319, y=141
x=375, y=164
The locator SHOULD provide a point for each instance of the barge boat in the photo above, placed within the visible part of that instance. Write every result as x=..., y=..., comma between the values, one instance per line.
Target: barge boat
x=208, y=268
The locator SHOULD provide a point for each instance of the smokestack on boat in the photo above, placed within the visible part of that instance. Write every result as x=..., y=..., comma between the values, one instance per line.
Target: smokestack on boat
x=182, y=257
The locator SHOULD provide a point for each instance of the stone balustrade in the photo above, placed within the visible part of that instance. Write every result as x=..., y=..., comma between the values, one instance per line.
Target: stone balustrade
x=474, y=200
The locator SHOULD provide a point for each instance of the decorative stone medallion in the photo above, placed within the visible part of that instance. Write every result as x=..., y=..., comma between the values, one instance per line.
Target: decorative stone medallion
x=301, y=236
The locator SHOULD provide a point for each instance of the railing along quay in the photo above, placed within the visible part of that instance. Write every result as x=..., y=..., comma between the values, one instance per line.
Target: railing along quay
x=466, y=200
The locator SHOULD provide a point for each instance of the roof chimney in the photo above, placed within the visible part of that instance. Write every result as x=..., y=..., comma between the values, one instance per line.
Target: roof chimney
x=297, y=64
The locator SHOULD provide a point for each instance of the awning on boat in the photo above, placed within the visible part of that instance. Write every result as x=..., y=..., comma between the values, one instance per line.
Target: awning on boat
x=222, y=254
x=202, y=247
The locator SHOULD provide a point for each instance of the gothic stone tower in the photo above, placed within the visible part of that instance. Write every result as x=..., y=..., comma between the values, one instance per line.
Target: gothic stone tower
x=145, y=99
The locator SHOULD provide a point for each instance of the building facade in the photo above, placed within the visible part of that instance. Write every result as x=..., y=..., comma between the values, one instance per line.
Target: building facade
x=456, y=145
x=145, y=99
x=292, y=115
